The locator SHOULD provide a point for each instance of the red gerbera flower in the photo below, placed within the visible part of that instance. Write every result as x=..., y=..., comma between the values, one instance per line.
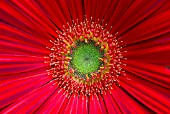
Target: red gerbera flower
x=73, y=56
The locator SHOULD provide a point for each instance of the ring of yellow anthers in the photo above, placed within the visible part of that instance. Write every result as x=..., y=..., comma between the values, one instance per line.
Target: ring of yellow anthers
x=96, y=76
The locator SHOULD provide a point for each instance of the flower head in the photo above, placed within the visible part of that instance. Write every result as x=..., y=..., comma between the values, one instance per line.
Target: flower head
x=84, y=56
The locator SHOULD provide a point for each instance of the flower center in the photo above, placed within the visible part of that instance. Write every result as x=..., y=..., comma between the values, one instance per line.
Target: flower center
x=85, y=58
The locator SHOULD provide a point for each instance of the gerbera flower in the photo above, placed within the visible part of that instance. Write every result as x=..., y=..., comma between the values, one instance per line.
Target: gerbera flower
x=73, y=56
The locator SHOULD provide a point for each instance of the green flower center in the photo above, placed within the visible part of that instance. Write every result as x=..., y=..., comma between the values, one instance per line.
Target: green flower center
x=86, y=58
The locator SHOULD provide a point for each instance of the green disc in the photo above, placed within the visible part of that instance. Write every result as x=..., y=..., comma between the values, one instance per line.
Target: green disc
x=86, y=58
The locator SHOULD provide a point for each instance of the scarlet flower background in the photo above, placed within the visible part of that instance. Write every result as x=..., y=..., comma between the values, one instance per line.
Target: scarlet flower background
x=26, y=26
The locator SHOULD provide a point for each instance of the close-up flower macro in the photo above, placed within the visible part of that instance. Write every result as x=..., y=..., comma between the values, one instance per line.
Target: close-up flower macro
x=85, y=56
